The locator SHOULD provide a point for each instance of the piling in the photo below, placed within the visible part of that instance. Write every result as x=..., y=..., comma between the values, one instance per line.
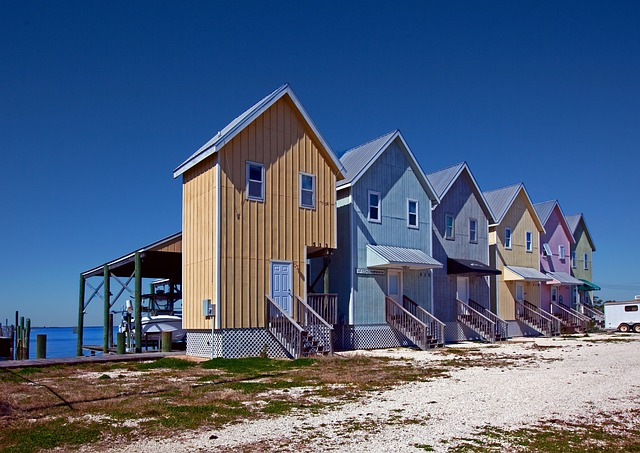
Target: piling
x=121, y=343
x=166, y=341
x=41, y=346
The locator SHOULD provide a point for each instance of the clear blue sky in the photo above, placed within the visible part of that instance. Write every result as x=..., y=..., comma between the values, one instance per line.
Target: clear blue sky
x=100, y=101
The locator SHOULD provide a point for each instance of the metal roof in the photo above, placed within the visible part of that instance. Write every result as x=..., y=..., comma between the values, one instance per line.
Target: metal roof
x=562, y=278
x=238, y=124
x=384, y=256
x=442, y=181
x=524, y=273
x=544, y=211
x=500, y=200
x=573, y=221
x=358, y=160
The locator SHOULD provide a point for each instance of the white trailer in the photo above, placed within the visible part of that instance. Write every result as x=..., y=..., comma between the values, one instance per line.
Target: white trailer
x=622, y=316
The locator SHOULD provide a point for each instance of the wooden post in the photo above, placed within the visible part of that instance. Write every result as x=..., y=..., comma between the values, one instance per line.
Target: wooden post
x=107, y=305
x=27, y=338
x=80, y=318
x=121, y=343
x=137, y=310
x=41, y=346
x=166, y=341
x=111, y=329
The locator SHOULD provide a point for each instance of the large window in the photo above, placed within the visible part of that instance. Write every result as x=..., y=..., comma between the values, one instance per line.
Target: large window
x=473, y=230
x=449, y=226
x=586, y=261
x=374, y=214
x=507, y=238
x=307, y=191
x=255, y=181
x=573, y=259
x=412, y=213
x=529, y=239
x=561, y=252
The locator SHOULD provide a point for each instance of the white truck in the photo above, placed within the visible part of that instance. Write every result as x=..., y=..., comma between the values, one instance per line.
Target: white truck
x=622, y=316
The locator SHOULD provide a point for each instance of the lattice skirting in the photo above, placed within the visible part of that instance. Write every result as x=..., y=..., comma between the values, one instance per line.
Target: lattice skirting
x=455, y=332
x=520, y=329
x=233, y=344
x=369, y=336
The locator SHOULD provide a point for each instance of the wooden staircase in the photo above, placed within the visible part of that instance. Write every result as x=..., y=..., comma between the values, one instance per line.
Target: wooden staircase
x=537, y=318
x=479, y=319
x=415, y=323
x=596, y=316
x=571, y=320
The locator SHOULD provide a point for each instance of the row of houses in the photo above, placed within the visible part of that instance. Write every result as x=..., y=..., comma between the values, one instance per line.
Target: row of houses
x=289, y=251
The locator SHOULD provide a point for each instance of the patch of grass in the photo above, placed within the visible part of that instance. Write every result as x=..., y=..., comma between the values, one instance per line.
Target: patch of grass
x=209, y=378
x=194, y=416
x=424, y=447
x=259, y=387
x=166, y=362
x=255, y=365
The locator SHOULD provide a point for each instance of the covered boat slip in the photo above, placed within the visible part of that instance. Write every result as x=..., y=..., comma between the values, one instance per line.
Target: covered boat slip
x=159, y=260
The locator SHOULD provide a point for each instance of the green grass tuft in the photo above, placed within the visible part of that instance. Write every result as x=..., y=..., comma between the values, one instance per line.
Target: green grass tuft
x=166, y=362
x=255, y=365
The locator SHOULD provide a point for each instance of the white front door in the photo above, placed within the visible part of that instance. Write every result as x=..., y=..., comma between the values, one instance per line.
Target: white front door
x=463, y=289
x=281, y=285
x=394, y=285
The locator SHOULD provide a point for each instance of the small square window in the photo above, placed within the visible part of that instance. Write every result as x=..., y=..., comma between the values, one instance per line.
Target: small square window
x=529, y=238
x=507, y=238
x=473, y=230
x=255, y=181
x=307, y=191
x=374, y=207
x=449, y=226
x=412, y=213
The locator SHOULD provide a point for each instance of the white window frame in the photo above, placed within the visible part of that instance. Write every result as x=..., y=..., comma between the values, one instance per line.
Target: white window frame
x=451, y=237
x=409, y=214
x=546, y=250
x=586, y=261
x=248, y=166
x=574, y=263
x=301, y=190
x=378, y=206
x=562, y=252
x=473, y=238
x=528, y=237
x=508, y=240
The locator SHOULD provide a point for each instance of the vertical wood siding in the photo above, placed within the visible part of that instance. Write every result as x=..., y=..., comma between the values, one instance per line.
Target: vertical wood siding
x=174, y=246
x=581, y=247
x=198, y=236
x=555, y=235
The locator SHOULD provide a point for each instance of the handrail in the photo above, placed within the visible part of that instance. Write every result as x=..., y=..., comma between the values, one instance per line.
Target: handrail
x=568, y=316
x=412, y=327
x=502, y=326
x=284, y=328
x=436, y=327
x=555, y=321
x=326, y=305
x=308, y=317
x=593, y=313
x=537, y=318
x=478, y=322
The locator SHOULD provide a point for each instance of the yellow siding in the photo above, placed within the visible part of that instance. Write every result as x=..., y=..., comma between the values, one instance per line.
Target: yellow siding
x=520, y=219
x=254, y=233
x=198, y=237
x=174, y=246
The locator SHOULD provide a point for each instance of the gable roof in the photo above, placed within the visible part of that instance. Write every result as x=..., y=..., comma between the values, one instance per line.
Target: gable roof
x=500, y=200
x=358, y=160
x=545, y=209
x=573, y=221
x=443, y=180
x=238, y=124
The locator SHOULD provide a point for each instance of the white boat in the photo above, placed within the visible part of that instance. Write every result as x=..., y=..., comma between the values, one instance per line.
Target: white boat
x=156, y=324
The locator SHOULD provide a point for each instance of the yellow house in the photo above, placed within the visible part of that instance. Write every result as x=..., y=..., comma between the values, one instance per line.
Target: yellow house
x=514, y=249
x=258, y=203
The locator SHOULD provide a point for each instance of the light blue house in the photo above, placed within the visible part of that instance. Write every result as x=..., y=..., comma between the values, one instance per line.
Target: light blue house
x=382, y=269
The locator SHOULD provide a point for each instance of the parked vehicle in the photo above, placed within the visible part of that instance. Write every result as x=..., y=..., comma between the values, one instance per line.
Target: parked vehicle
x=623, y=316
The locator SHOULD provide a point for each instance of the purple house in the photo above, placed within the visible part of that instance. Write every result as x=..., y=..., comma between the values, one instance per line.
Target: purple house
x=558, y=294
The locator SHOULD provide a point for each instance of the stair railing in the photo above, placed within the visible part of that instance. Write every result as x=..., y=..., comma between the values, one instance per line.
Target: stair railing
x=319, y=329
x=594, y=314
x=409, y=325
x=568, y=316
x=436, y=327
x=536, y=318
x=326, y=305
x=472, y=318
x=502, y=326
x=282, y=326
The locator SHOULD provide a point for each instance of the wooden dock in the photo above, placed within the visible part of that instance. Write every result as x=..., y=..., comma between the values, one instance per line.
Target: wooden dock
x=12, y=364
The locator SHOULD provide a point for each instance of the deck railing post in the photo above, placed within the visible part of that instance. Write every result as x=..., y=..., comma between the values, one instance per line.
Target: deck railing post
x=137, y=312
x=107, y=305
x=80, y=317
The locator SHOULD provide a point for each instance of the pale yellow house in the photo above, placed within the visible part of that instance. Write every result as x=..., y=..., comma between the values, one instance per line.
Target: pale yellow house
x=514, y=244
x=258, y=203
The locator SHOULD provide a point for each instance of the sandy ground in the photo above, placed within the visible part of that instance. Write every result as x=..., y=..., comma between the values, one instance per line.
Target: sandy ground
x=546, y=380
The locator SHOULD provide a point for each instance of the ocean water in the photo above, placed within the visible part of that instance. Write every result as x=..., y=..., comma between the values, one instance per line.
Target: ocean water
x=62, y=342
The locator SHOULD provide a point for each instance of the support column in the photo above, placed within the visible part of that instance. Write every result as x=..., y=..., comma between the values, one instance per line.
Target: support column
x=80, y=317
x=107, y=306
x=137, y=311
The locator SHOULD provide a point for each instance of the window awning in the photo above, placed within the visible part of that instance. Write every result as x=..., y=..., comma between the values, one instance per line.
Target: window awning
x=470, y=268
x=524, y=273
x=562, y=278
x=588, y=286
x=384, y=257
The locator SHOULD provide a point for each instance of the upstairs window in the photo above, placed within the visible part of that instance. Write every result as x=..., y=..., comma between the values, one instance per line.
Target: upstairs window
x=546, y=250
x=529, y=240
x=573, y=259
x=255, y=181
x=473, y=231
x=307, y=191
x=412, y=213
x=561, y=252
x=507, y=238
x=374, y=207
x=449, y=226
x=586, y=261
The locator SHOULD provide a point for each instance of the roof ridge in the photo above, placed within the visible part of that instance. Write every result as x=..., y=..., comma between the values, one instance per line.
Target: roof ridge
x=459, y=164
x=370, y=141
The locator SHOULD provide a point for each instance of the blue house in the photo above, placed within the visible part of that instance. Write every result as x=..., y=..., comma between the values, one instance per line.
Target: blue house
x=382, y=268
x=461, y=221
